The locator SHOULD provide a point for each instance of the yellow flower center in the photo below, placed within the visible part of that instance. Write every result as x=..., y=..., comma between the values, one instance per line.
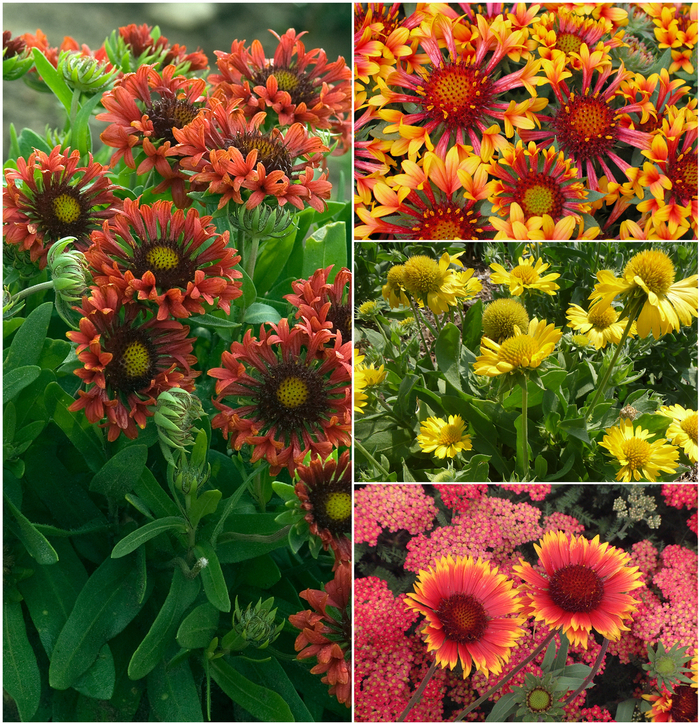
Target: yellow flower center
x=162, y=257
x=500, y=318
x=576, y=589
x=526, y=274
x=66, y=208
x=422, y=275
x=539, y=200
x=395, y=276
x=286, y=80
x=338, y=506
x=690, y=426
x=637, y=452
x=518, y=349
x=580, y=340
x=568, y=42
x=450, y=434
x=539, y=700
x=367, y=307
x=292, y=392
x=602, y=317
x=654, y=268
x=463, y=618
x=136, y=359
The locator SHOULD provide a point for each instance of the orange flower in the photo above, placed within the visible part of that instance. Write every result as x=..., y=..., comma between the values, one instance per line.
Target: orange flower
x=470, y=614
x=586, y=586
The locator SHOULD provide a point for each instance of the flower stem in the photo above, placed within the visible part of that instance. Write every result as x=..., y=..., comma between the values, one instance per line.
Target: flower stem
x=43, y=286
x=508, y=676
x=594, y=671
x=418, y=692
x=526, y=452
x=369, y=456
x=420, y=327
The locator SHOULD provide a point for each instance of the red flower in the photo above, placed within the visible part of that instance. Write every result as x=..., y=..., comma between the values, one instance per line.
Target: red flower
x=172, y=258
x=141, y=43
x=231, y=156
x=325, y=491
x=293, y=394
x=128, y=360
x=325, y=637
x=50, y=197
x=300, y=87
x=315, y=298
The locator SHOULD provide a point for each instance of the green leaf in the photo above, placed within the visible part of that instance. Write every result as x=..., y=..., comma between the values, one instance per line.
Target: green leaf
x=560, y=660
x=108, y=602
x=119, y=474
x=577, y=671
x=260, y=572
x=136, y=539
x=213, y=578
x=199, y=627
x=263, y=704
x=173, y=694
x=576, y=428
x=52, y=79
x=549, y=656
x=210, y=320
x=20, y=671
x=80, y=131
x=28, y=140
x=98, y=681
x=53, y=353
x=447, y=353
x=259, y=313
x=502, y=708
x=36, y=544
x=236, y=544
x=182, y=594
x=272, y=260
x=325, y=247
x=17, y=379
x=471, y=331
x=206, y=504
x=625, y=710
x=149, y=490
x=29, y=341
x=567, y=683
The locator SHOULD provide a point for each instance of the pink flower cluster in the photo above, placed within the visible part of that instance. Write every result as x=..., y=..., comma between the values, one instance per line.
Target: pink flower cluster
x=458, y=495
x=394, y=507
x=536, y=491
x=677, y=495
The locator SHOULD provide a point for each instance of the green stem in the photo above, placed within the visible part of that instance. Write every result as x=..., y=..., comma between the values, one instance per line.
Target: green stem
x=251, y=256
x=427, y=323
x=602, y=384
x=594, y=671
x=43, y=286
x=420, y=327
x=370, y=457
x=508, y=676
x=526, y=450
x=419, y=691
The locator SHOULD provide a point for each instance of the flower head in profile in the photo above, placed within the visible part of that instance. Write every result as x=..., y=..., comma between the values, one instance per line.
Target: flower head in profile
x=394, y=290
x=166, y=256
x=638, y=458
x=444, y=438
x=325, y=493
x=585, y=585
x=527, y=275
x=649, y=279
x=432, y=282
x=285, y=394
x=601, y=325
x=683, y=430
x=328, y=637
x=524, y=350
x=470, y=614
x=129, y=358
x=51, y=197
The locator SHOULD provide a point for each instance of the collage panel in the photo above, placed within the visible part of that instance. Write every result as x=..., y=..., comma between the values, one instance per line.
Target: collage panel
x=527, y=362
x=525, y=602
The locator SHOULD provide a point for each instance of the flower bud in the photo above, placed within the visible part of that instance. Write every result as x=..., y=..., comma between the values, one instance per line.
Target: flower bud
x=16, y=57
x=69, y=271
x=176, y=411
x=254, y=626
x=85, y=74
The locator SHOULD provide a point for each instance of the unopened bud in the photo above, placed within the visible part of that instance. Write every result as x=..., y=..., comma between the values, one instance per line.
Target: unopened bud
x=16, y=58
x=262, y=222
x=176, y=411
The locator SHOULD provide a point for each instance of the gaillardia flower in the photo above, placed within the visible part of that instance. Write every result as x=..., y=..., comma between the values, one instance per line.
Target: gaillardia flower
x=683, y=430
x=639, y=458
x=173, y=259
x=292, y=392
x=444, y=438
x=394, y=289
x=50, y=197
x=522, y=351
x=526, y=276
x=681, y=705
x=325, y=492
x=586, y=585
x=501, y=317
x=470, y=611
x=432, y=282
x=128, y=360
x=649, y=278
x=600, y=324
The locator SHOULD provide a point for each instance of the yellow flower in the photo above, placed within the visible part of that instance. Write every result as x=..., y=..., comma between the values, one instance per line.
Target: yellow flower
x=444, y=438
x=525, y=276
x=501, y=317
x=683, y=431
x=519, y=352
x=393, y=290
x=470, y=286
x=600, y=324
x=649, y=276
x=371, y=375
x=368, y=309
x=639, y=458
x=358, y=388
x=432, y=282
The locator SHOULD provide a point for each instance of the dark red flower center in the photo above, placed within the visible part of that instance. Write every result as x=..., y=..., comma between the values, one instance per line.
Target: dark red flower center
x=449, y=221
x=684, y=704
x=272, y=153
x=538, y=194
x=63, y=211
x=457, y=95
x=463, y=618
x=585, y=127
x=133, y=364
x=341, y=317
x=164, y=258
x=169, y=113
x=289, y=79
x=684, y=176
x=576, y=589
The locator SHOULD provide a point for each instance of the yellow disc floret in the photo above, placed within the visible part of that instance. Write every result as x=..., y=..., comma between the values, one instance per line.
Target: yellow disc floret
x=292, y=392
x=338, y=506
x=136, y=360
x=162, y=257
x=66, y=208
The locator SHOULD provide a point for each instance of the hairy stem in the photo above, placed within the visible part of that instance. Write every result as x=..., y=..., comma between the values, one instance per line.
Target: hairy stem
x=594, y=671
x=418, y=693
